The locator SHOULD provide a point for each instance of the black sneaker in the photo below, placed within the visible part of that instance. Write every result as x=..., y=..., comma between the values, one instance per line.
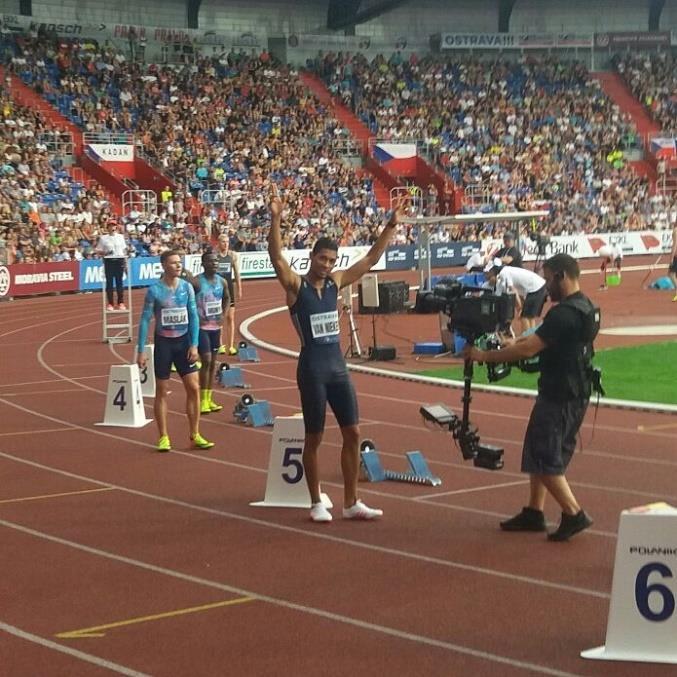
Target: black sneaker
x=527, y=520
x=570, y=526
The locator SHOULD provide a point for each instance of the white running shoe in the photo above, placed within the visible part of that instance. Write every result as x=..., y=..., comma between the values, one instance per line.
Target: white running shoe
x=318, y=513
x=359, y=511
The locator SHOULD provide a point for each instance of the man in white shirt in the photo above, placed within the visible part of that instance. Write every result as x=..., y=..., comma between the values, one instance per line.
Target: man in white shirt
x=528, y=287
x=610, y=254
x=114, y=250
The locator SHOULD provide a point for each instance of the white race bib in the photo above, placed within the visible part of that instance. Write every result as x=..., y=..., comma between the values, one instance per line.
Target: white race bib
x=213, y=308
x=223, y=267
x=173, y=316
x=324, y=324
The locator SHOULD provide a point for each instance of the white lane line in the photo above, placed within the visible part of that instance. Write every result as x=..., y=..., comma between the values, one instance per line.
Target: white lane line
x=292, y=606
x=321, y=536
x=81, y=655
x=455, y=492
x=36, y=432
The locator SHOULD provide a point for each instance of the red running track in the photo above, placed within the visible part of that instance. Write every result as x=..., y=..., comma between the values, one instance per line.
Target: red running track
x=156, y=564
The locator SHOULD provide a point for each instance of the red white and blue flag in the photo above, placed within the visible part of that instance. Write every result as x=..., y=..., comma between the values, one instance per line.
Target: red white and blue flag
x=397, y=158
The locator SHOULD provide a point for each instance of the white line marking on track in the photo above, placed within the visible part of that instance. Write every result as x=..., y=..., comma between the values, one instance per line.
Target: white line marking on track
x=470, y=490
x=36, y=432
x=286, y=604
x=81, y=655
x=322, y=536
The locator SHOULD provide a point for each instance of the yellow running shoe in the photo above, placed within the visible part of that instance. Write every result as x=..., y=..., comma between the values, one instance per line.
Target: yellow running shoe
x=205, y=408
x=200, y=442
x=214, y=407
x=232, y=350
x=222, y=350
x=164, y=444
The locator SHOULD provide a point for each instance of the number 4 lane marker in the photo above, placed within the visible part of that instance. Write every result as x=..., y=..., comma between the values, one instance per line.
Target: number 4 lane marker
x=99, y=630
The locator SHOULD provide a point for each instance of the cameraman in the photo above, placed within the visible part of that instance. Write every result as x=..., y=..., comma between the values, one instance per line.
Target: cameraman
x=509, y=254
x=528, y=287
x=564, y=345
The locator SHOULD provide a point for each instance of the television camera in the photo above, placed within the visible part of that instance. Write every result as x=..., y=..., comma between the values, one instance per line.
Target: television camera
x=473, y=312
x=541, y=241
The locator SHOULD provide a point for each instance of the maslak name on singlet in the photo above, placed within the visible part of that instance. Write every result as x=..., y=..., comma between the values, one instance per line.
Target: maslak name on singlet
x=315, y=316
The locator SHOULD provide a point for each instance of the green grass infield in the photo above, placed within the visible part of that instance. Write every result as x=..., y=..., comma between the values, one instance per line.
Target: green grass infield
x=644, y=373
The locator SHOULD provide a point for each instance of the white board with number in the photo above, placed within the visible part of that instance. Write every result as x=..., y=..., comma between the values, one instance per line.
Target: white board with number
x=124, y=401
x=642, y=623
x=147, y=374
x=286, y=483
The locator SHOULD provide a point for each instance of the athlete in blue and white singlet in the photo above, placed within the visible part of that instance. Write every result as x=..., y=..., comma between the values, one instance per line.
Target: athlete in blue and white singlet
x=171, y=301
x=322, y=374
x=212, y=298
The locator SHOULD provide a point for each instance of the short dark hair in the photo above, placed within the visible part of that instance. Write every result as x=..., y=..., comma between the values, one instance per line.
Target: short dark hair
x=325, y=243
x=563, y=263
x=170, y=252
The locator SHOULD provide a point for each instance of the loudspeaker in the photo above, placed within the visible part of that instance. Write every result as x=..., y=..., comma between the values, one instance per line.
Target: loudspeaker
x=392, y=298
x=383, y=353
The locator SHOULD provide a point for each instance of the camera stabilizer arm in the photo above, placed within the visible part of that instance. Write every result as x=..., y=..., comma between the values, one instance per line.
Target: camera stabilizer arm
x=462, y=430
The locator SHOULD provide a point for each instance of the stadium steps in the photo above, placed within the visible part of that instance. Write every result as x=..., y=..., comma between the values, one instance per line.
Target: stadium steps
x=357, y=129
x=27, y=97
x=615, y=88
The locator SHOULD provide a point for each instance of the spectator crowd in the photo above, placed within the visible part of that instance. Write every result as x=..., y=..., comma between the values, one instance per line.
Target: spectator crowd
x=529, y=133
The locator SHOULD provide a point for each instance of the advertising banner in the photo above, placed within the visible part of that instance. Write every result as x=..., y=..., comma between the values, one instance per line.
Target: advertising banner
x=113, y=151
x=638, y=39
x=25, y=279
x=257, y=264
x=586, y=246
x=513, y=40
x=400, y=257
x=144, y=272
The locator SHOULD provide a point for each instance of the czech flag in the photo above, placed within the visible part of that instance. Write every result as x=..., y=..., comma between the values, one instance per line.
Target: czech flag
x=397, y=158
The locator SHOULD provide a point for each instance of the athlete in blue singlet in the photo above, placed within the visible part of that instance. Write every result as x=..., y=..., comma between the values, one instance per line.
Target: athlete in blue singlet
x=212, y=298
x=322, y=375
x=171, y=301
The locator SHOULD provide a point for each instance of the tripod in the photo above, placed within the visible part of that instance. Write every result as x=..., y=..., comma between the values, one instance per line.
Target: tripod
x=354, y=349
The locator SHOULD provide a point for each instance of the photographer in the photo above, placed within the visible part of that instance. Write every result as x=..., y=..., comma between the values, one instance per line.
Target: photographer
x=528, y=287
x=564, y=345
x=509, y=254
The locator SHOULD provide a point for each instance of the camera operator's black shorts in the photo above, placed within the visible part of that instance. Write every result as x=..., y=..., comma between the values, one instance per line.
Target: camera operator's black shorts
x=534, y=302
x=673, y=266
x=550, y=440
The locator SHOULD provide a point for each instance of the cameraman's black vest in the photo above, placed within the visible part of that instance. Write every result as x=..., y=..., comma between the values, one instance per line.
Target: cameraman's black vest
x=566, y=369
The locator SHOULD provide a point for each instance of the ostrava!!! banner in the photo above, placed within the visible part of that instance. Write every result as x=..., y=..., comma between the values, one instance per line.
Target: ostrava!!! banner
x=26, y=279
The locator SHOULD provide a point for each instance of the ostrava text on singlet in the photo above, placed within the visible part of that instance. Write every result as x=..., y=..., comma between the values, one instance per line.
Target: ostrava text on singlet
x=315, y=316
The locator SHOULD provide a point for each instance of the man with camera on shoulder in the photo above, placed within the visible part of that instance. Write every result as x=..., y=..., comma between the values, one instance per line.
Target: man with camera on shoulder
x=564, y=344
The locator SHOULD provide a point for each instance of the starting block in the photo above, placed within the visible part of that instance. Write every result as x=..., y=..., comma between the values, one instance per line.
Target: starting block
x=247, y=354
x=231, y=377
x=250, y=412
x=375, y=472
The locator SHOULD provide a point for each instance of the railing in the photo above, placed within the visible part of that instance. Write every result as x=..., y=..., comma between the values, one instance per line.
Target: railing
x=143, y=201
x=109, y=138
x=58, y=143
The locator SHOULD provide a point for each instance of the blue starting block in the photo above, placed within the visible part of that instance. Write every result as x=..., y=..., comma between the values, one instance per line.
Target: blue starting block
x=375, y=472
x=250, y=412
x=428, y=348
x=231, y=377
x=247, y=354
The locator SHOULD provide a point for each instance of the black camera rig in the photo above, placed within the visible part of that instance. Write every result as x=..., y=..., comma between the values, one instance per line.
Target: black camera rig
x=464, y=433
x=472, y=312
